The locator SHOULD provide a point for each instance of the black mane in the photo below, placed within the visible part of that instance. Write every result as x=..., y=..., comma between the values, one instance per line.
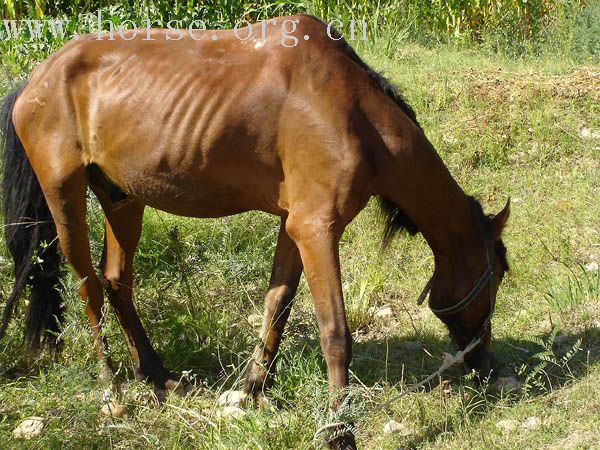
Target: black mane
x=385, y=86
x=394, y=217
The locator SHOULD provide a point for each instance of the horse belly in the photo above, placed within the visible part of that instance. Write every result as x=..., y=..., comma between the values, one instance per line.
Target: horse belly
x=214, y=188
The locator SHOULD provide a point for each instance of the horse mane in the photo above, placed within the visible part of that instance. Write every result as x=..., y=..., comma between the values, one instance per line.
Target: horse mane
x=395, y=220
x=384, y=85
x=394, y=217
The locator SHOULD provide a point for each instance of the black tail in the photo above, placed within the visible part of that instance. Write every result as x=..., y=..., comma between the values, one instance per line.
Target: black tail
x=31, y=239
x=395, y=220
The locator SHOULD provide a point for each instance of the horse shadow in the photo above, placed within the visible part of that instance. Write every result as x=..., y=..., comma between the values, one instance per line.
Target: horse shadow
x=409, y=360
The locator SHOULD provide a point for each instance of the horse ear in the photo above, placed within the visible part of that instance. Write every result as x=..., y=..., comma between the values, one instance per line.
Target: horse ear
x=499, y=221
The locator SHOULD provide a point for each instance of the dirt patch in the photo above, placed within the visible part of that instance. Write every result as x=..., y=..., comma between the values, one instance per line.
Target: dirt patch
x=578, y=439
x=500, y=85
x=504, y=85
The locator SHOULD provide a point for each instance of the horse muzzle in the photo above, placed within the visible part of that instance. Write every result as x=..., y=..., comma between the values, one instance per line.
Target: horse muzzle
x=481, y=362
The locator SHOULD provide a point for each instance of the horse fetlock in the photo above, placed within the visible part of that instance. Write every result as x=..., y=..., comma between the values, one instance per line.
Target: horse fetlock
x=258, y=378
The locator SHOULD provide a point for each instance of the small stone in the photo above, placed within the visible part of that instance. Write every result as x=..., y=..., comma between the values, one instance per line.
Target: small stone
x=106, y=395
x=255, y=320
x=505, y=385
x=592, y=267
x=385, y=312
x=449, y=139
x=231, y=412
x=29, y=428
x=507, y=425
x=585, y=132
x=231, y=398
x=531, y=423
x=113, y=409
x=391, y=426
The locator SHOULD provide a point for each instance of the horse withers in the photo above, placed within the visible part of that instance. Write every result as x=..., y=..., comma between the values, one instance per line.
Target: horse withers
x=217, y=126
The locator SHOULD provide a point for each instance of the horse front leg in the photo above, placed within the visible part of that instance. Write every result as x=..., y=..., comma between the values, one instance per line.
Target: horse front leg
x=285, y=276
x=317, y=237
x=123, y=229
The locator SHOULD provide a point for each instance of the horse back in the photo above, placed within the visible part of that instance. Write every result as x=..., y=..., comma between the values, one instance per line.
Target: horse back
x=209, y=122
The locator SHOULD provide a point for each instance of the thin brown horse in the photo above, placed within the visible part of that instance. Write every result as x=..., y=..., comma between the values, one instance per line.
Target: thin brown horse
x=219, y=126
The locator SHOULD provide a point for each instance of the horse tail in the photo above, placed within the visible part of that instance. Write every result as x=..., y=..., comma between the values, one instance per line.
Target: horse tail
x=30, y=235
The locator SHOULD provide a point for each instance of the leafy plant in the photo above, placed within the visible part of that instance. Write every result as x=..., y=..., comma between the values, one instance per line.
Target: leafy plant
x=550, y=365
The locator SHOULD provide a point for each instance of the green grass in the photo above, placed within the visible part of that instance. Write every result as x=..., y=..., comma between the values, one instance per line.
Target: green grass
x=505, y=126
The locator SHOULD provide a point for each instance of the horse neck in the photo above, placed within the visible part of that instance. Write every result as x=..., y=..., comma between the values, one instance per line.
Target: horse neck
x=420, y=184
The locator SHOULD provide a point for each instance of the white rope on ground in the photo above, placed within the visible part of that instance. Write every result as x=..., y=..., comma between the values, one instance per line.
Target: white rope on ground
x=326, y=427
x=449, y=361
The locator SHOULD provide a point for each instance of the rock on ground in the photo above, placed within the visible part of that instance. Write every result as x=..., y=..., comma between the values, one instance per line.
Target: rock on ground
x=391, y=426
x=231, y=412
x=531, y=423
x=507, y=425
x=591, y=267
x=113, y=409
x=231, y=398
x=385, y=312
x=255, y=320
x=29, y=428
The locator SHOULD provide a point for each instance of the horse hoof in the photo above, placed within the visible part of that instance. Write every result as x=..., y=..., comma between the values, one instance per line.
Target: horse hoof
x=139, y=375
x=178, y=388
x=263, y=403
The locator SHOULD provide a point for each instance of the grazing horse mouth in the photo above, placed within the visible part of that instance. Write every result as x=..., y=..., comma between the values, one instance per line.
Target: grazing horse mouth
x=481, y=358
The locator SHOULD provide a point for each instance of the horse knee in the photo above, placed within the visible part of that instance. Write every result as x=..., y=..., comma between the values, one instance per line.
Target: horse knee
x=303, y=228
x=336, y=344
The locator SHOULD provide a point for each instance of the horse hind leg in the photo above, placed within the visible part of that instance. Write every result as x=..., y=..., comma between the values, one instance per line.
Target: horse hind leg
x=65, y=193
x=123, y=227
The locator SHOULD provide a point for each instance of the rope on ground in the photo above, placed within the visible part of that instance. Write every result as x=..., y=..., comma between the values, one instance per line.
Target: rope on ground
x=449, y=361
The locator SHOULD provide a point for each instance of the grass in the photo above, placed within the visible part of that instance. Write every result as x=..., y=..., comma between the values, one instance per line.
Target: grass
x=505, y=126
